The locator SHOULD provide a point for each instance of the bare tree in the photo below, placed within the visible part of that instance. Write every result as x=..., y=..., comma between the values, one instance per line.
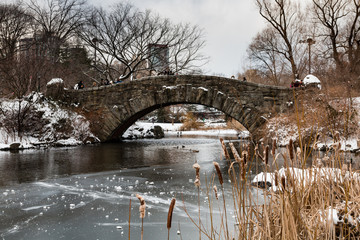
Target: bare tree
x=56, y=22
x=284, y=17
x=340, y=31
x=140, y=41
x=14, y=23
x=185, y=48
x=59, y=18
x=264, y=53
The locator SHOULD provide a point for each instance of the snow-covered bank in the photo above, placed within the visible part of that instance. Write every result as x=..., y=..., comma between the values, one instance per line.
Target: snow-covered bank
x=284, y=127
x=43, y=123
x=324, y=185
x=143, y=130
x=302, y=176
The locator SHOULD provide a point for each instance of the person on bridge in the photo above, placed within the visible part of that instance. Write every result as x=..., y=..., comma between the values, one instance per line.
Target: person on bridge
x=80, y=85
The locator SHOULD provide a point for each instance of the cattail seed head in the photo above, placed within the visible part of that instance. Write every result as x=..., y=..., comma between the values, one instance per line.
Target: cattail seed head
x=266, y=154
x=291, y=149
x=245, y=156
x=170, y=212
x=273, y=148
x=226, y=153
x=276, y=178
x=197, y=182
x=196, y=166
x=216, y=192
x=218, y=171
x=142, y=206
x=197, y=169
x=235, y=152
x=283, y=182
x=249, y=152
x=243, y=170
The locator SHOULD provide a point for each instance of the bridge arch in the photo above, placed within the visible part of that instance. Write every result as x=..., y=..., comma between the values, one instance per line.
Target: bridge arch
x=112, y=109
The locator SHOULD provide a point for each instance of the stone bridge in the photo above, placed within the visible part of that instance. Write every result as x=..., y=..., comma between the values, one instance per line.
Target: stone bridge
x=114, y=108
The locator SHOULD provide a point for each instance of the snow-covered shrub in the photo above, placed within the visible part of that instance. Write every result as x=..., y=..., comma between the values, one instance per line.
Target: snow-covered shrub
x=19, y=116
x=37, y=120
x=190, y=123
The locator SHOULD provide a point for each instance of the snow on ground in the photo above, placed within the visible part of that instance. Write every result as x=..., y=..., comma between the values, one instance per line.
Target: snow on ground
x=54, y=81
x=303, y=176
x=283, y=129
x=333, y=214
x=141, y=130
x=47, y=132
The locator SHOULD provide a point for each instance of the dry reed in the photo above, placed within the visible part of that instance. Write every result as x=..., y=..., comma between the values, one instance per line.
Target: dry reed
x=142, y=213
x=169, y=217
x=197, y=183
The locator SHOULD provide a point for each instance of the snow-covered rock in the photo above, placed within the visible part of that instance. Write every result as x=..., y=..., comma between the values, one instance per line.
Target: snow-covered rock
x=312, y=80
x=302, y=176
x=55, y=81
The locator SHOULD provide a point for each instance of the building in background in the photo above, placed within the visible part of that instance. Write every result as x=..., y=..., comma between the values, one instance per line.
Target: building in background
x=158, y=58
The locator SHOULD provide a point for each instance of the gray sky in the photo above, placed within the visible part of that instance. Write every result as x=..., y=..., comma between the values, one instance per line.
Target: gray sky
x=229, y=27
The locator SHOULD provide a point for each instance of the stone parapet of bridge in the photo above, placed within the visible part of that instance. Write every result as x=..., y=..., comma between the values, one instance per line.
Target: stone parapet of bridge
x=112, y=109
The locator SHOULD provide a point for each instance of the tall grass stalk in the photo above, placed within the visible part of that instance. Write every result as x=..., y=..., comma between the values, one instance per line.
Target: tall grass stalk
x=129, y=217
x=221, y=181
x=142, y=213
x=169, y=217
x=197, y=183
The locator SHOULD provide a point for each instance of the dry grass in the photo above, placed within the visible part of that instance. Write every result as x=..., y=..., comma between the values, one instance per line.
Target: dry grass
x=190, y=123
x=319, y=202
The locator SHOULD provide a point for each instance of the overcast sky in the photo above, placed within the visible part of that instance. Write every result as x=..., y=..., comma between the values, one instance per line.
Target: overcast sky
x=229, y=27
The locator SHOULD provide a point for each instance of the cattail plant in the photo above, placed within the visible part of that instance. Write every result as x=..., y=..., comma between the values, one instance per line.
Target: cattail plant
x=243, y=168
x=169, y=217
x=283, y=183
x=226, y=153
x=291, y=150
x=266, y=155
x=276, y=178
x=245, y=156
x=221, y=181
x=235, y=152
x=196, y=166
x=273, y=148
x=216, y=192
x=142, y=213
x=218, y=171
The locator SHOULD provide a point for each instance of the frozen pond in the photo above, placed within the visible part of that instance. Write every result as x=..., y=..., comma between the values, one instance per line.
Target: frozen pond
x=84, y=192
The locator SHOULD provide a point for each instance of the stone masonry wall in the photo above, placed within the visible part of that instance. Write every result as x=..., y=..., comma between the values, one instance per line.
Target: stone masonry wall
x=112, y=109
